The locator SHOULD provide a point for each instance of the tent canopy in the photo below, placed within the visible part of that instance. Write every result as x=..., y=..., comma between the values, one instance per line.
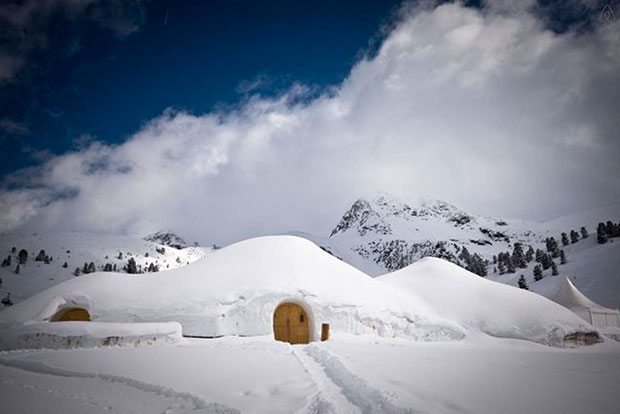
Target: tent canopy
x=600, y=316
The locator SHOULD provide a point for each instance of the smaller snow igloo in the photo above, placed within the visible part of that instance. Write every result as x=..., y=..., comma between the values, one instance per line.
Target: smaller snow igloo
x=71, y=314
x=292, y=323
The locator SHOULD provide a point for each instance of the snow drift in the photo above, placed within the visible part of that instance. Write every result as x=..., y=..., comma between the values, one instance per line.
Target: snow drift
x=490, y=307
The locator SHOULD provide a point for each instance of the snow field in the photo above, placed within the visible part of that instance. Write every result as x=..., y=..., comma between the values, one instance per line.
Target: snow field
x=349, y=374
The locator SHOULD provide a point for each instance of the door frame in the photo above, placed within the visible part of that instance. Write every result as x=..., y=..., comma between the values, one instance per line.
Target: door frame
x=307, y=310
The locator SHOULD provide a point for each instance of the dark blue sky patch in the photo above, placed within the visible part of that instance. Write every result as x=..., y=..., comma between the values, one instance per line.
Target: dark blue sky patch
x=110, y=67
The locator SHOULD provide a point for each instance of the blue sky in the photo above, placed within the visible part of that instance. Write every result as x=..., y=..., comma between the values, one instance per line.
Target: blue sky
x=192, y=55
x=503, y=108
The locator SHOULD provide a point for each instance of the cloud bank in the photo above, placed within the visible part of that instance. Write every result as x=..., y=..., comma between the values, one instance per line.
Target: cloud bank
x=484, y=108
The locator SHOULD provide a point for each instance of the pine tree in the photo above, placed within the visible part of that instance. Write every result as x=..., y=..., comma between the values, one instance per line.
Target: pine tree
x=539, y=255
x=500, y=267
x=610, y=229
x=546, y=262
x=16, y=271
x=538, y=274
x=601, y=234
x=510, y=266
x=40, y=257
x=131, y=266
x=65, y=265
x=554, y=269
x=22, y=256
x=574, y=236
x=562, y=257
x=584, y=233
x=522, y=283
x=529, y=255
x=518, y=257
x=77, y=271
x=91, y=267
x=551, y=244
x=564, y=239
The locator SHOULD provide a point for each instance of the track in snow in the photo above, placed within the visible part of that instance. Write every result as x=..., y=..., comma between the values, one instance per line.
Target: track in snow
x=96, y=393
x=340, y=391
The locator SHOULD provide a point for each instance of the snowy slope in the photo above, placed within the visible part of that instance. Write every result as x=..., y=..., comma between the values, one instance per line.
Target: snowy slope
x=76, y=249
x=384, y=234
x=593, y=268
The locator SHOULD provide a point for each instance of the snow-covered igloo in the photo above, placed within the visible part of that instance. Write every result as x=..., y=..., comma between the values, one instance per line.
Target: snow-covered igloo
x=238, y=290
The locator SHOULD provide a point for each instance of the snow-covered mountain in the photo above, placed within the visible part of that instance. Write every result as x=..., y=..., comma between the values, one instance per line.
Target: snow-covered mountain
x=63, y=253
x=167, y=238
x=383, y=234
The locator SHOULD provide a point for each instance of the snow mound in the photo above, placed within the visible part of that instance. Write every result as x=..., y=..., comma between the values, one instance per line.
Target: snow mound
x=490, y=307
x=89, y=334
x=235, y=291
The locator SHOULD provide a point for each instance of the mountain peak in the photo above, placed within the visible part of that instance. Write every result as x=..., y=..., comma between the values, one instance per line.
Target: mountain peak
x=380, y=213
x=167, y=238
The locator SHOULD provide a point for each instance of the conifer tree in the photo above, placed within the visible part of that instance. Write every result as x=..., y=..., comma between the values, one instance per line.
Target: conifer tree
x=539, y=255
x=77, y=271
x=564, y=239
x=16, y=271
x=601, y=234
x=554, y=269
x=131, y=267
x=574, y=236
x=40, y=257
x=522, y=283
x=584, y=233
x=22, y=256
x=518, y=257
x=538, y=273
x=562, y=257
x=529, y=255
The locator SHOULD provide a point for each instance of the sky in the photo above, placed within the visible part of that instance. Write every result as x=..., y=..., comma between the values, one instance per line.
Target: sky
x=226, y=120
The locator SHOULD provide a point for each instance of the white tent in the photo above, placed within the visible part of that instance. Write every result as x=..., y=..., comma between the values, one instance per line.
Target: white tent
x=599, y=316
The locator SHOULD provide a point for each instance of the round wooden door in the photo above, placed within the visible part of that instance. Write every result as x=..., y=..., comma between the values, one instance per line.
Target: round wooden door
x=71, y=314
x=290, y=324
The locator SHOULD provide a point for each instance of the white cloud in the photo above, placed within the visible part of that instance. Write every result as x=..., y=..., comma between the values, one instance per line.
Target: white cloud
x=487, y=110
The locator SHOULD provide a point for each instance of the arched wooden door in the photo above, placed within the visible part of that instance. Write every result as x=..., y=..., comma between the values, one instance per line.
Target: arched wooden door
x=290, y=324
x=71, y=314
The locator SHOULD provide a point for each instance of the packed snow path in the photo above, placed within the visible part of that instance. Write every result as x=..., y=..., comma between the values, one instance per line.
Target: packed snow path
x=347, y=374
x=339, y=390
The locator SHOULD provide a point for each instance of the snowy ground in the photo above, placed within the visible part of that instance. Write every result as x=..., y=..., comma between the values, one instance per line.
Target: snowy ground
x=350, y=374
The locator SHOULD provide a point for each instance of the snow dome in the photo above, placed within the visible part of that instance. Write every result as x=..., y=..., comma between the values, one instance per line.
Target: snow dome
x=287, y=287
x=237, y=290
